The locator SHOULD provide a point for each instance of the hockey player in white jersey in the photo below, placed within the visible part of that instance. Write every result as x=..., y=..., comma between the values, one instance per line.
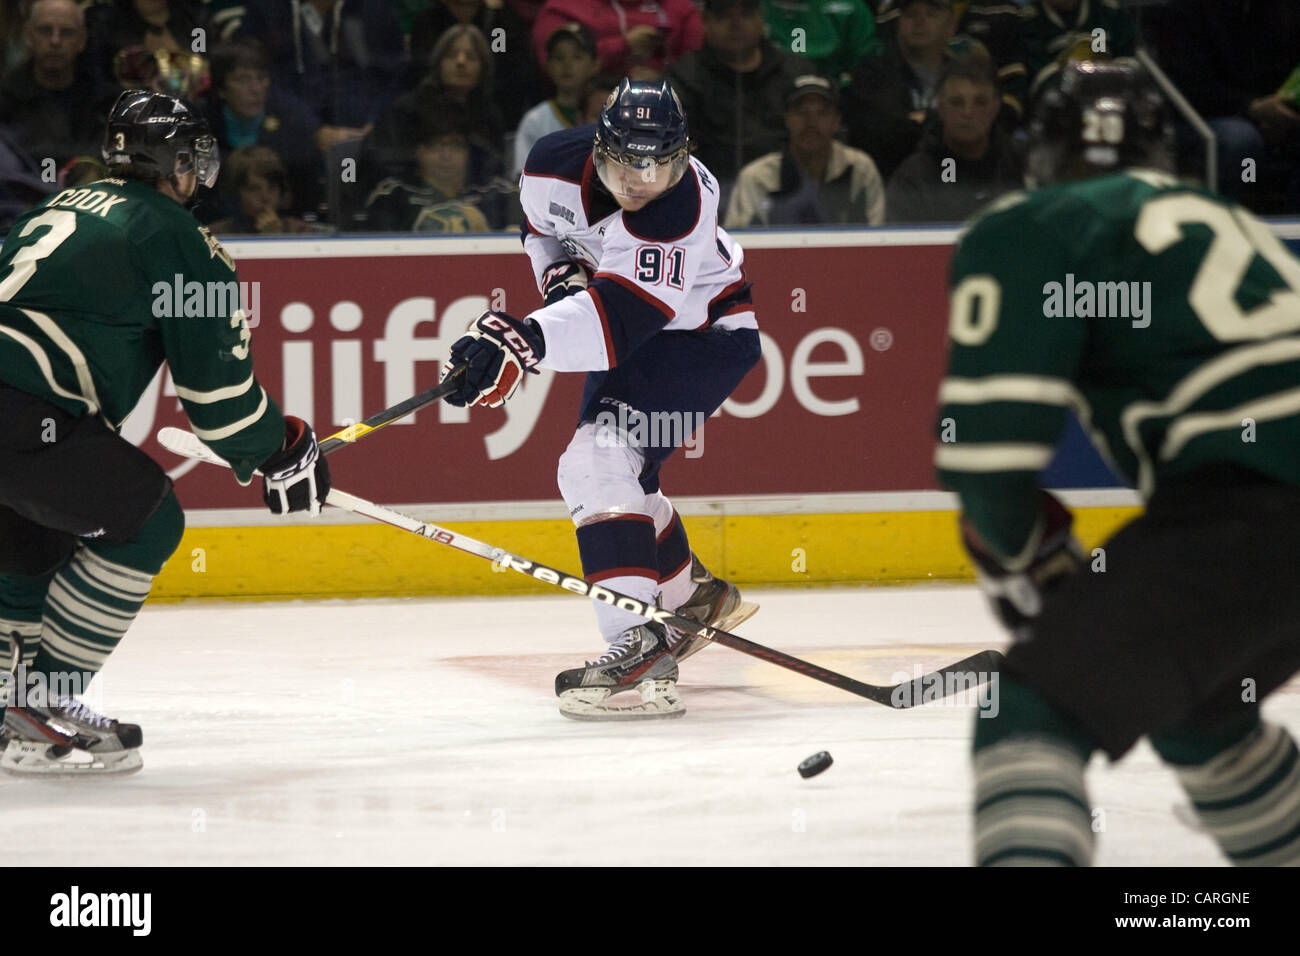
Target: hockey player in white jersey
x=645, y=293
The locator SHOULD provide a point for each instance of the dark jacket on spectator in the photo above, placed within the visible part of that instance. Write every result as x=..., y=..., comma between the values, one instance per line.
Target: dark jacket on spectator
x=735, y=118
x=1224, y=53
x=113, y=26
x=918, y=193
x=21, y=186
x=884, y=107
x=1048, y=35
x=996, y=24
x=56, y=123
x=348, y=72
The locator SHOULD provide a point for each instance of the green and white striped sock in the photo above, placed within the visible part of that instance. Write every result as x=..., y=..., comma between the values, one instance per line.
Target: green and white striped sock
x=91, y=603
x=1031, y=804
x=1248, y=797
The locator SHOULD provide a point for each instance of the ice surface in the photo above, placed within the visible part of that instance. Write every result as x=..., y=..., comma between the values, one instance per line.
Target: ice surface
x=425, y=732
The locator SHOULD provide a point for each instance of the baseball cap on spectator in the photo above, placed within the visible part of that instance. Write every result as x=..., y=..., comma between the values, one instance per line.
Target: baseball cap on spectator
x=576, y=33
x=814, y=85
x=722, y=6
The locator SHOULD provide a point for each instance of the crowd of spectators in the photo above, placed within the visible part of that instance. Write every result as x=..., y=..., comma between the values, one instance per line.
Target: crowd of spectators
x=418, y=115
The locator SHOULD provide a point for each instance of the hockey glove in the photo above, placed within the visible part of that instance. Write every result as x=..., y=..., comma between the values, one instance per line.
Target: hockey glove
x=497, y=350
x=1017, y=595
x=296, y=477
x=561, y=280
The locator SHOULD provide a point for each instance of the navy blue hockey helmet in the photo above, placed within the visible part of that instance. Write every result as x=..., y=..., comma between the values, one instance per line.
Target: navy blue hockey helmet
x=1096, y=117
x=159, y=136
x=642, y=129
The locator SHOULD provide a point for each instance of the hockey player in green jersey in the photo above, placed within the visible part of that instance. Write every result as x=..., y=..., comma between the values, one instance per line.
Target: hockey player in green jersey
x=86, y=519
x=1168, y=319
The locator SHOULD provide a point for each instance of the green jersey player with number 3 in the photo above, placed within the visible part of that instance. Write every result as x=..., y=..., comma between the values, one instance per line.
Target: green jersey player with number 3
x=1168, y=319
x=86, y=519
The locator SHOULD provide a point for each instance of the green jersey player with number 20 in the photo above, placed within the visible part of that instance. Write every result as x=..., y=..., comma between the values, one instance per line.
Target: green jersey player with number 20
x=1168, y=319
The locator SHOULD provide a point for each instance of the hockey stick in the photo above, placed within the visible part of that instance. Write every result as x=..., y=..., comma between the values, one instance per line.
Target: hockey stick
x=393, y=413
x=970, y=671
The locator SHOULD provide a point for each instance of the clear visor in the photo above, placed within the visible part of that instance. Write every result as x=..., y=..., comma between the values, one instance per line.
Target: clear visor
x=638, y=177
x=205, y=161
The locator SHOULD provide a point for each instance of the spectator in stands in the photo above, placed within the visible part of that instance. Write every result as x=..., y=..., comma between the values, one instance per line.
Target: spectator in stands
x=261, y=183
x=53, y=103
x=442, y=194
x=246, y=110
x=343, y=58
x=1230, y=59
x=733, y=88
x=636, y=39
x=834, y=34
x=964, y=159
x=996, y=25
x=571, y=62
x=1055, y=31
x=121, y=29
x=460, y=69
x=815, y=179
x=891, y=93
x=516, y=79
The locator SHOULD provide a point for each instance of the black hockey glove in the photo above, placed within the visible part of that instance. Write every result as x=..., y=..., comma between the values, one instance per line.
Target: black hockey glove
x=296, y=477
x=1017, y=594
x=561, y=280
x=498, y=349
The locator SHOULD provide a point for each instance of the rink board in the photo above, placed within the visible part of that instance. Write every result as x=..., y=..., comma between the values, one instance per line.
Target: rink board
x=350, y=560
x=841, y=406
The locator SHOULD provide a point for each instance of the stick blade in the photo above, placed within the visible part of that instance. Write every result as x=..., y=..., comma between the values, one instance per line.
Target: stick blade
x=186, y=444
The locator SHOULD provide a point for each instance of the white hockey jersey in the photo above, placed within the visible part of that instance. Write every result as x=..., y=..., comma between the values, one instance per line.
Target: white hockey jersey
x=667, y=266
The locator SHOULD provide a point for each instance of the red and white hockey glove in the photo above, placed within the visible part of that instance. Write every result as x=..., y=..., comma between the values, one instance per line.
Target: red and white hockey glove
x=561, y=280
x=497, y=350
x=296, y=477
x=1017, y=594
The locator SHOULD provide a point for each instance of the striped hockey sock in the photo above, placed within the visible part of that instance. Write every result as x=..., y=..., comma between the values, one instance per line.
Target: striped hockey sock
x=1248, y=796
x=1031, y=804
x=91, y=603
x=619, y=554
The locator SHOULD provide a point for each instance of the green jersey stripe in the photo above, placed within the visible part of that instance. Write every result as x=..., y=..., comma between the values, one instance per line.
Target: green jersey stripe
x=216, y=395
x=1279, y=405
x=216, y=434
x=1010, y=388
x=74, y=354
x=984, y=457
x=42, y=360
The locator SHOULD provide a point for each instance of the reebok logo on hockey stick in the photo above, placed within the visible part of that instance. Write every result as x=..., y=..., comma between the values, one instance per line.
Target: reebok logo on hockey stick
x=76, y=909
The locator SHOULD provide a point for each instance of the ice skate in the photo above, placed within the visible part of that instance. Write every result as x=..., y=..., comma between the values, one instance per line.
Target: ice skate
x=639, y=660
x=715, y=602
x=53, y=735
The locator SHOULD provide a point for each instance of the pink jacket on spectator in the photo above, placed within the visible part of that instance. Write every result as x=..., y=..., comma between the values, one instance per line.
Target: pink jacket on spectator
x=608, y=20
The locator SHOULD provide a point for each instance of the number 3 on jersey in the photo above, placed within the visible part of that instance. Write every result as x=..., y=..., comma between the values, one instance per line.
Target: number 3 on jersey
x=650, y=265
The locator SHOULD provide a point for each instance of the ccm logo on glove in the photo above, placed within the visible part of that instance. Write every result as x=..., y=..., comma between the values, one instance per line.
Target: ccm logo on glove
x=496, y=352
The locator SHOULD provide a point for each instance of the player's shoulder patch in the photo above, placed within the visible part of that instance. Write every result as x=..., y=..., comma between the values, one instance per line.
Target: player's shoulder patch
x=671, y=216
x=562, y=154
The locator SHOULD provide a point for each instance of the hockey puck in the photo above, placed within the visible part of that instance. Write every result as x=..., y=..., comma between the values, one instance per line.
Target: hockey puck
x=815, y=764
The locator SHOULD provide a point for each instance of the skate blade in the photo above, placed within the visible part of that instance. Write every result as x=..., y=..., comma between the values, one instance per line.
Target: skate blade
x=729, y=622
x=32, y=758
x=659, y=700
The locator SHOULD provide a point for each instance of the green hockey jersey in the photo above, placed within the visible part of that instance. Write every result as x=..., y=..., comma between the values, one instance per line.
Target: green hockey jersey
x=100, y=285
x=1165, y=316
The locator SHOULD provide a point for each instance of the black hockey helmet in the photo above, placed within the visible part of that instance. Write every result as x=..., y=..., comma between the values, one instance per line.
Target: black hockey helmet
x=643, y=127
x=160, y=136
x=1097, y=117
